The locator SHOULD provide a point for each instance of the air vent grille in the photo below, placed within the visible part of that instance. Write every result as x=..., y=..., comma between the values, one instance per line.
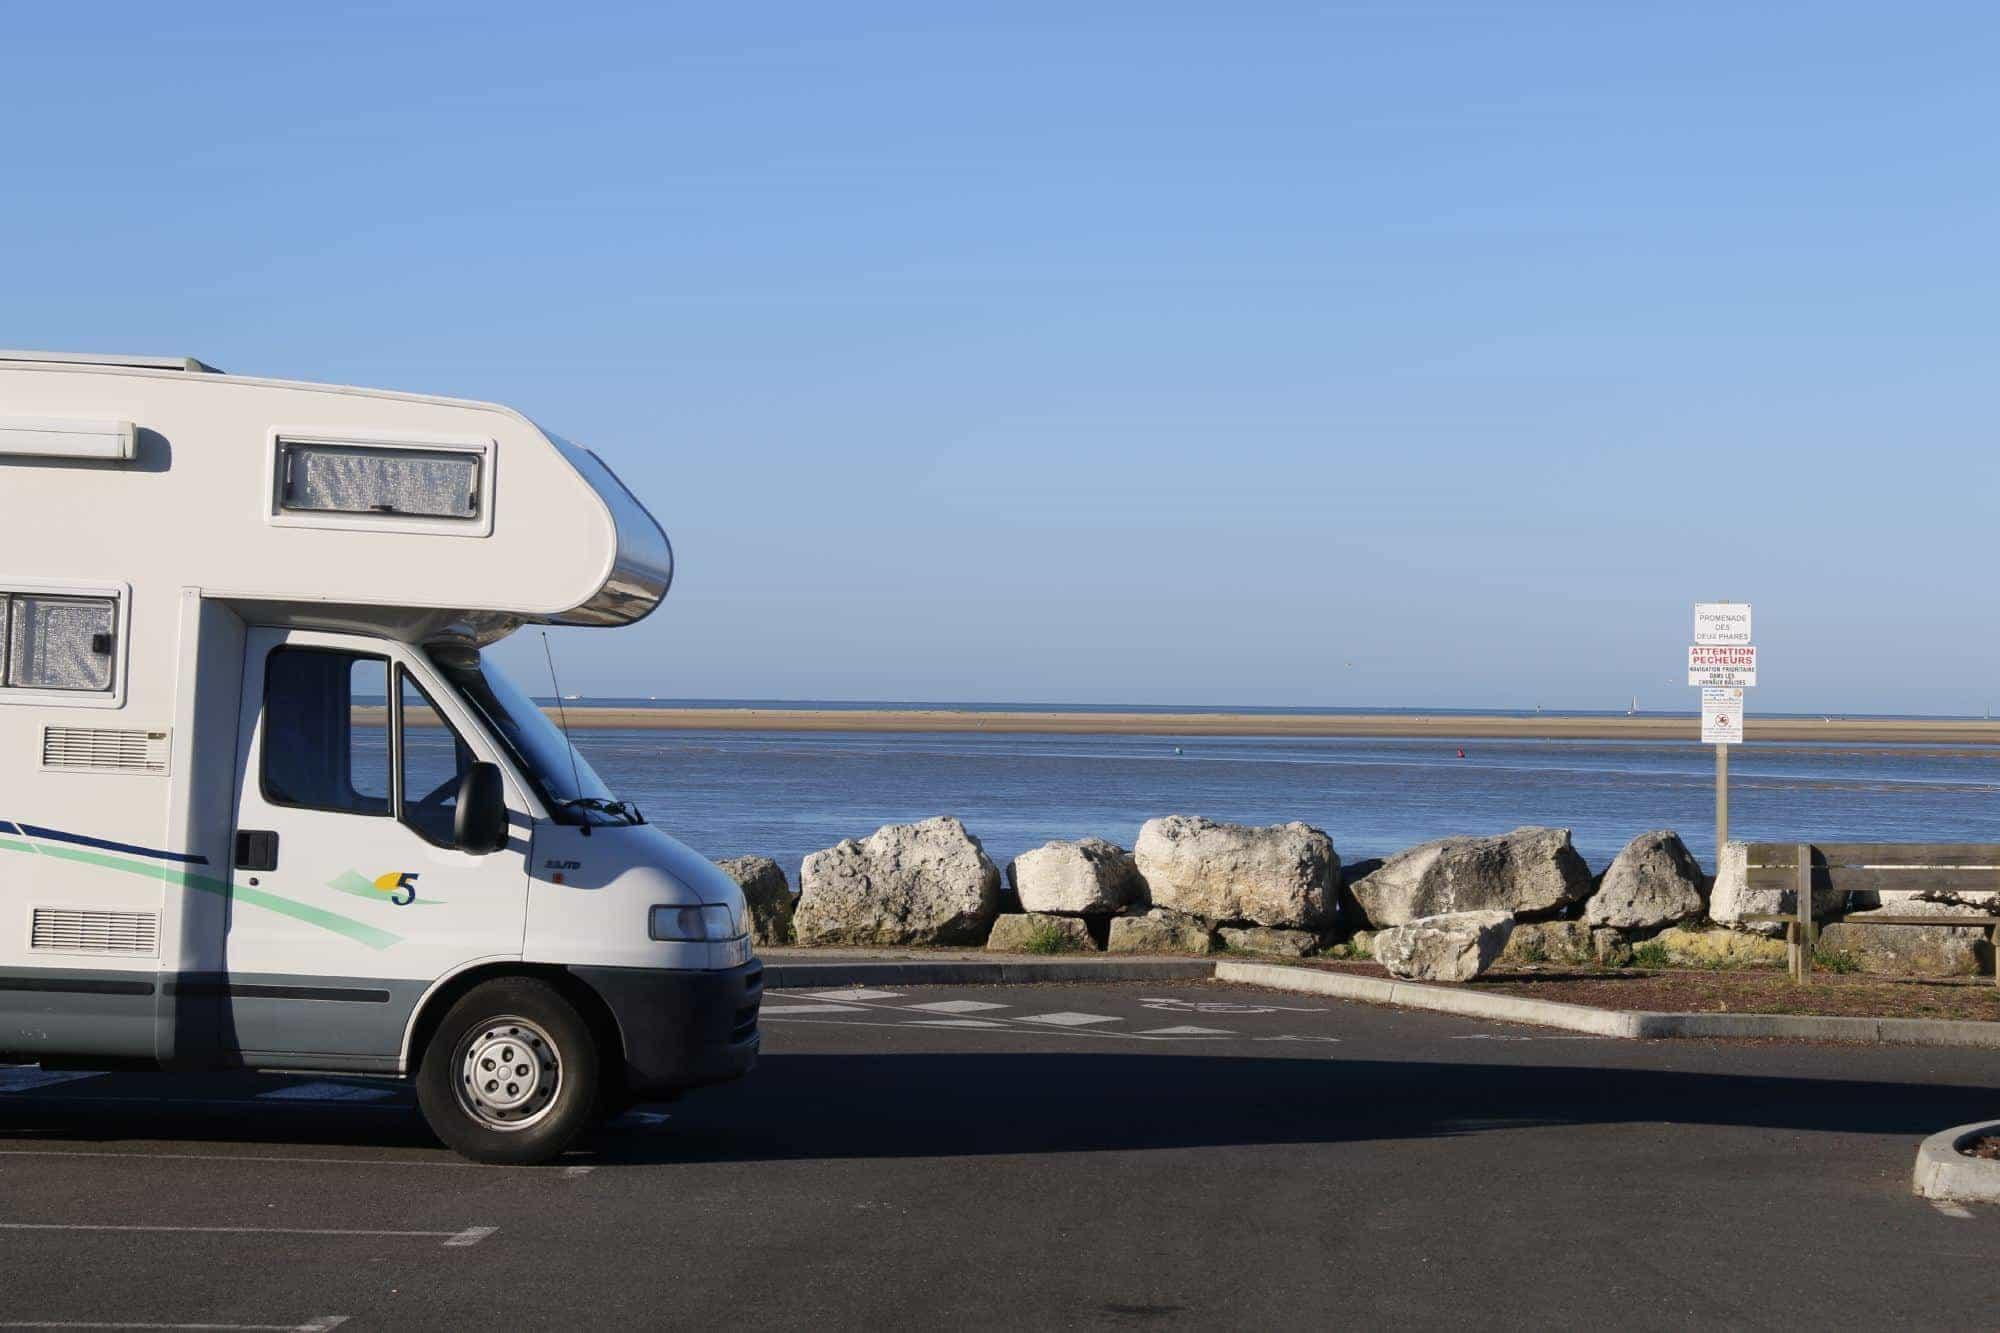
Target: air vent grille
x=104, y=750
x=63, y=930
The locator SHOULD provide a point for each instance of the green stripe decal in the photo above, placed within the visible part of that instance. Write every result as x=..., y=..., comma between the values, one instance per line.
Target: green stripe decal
x=359, y=931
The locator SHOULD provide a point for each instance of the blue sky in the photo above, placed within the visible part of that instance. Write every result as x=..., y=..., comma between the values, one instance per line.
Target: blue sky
x=1165, y=353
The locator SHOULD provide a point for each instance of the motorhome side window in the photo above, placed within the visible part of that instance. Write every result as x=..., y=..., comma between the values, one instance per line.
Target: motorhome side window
x=326, y=735
x=434, y=762
x=54, y=642
x=326, y=478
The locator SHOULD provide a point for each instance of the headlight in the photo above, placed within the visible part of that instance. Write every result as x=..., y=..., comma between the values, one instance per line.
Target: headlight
x=692, y=924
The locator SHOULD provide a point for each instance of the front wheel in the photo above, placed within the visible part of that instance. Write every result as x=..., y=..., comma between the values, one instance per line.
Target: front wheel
x=511, y=1074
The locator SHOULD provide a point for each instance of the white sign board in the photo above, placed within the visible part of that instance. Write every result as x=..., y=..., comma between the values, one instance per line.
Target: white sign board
x=1722, y=715
x=1713, y=665
x=1722, y=624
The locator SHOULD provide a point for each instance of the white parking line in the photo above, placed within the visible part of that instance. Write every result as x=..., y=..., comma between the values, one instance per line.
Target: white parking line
x=1187, y=1032
x=319, y=1323
x=1068, y=1020
x=452, y=1239
x=326, y=1092
x=26, y=1078
x=953, y=1023
x=955, y=1007
x=857, y=995
x=246, y=1157
x=786, y=1010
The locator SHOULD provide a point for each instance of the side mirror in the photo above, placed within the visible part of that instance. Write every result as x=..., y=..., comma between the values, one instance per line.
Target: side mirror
x=480, y=824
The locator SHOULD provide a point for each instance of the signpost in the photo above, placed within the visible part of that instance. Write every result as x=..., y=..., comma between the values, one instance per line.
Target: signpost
x=1723, y=662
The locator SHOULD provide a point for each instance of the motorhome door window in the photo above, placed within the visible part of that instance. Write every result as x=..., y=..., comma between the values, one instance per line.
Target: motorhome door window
x=326, y=738
x=434, y=763
x=58, y=643
x=320, y=478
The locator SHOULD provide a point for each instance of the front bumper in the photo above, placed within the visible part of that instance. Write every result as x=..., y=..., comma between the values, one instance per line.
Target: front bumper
x=681, y=1029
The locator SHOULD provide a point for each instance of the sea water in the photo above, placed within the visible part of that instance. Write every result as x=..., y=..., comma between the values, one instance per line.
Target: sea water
x=786, y=795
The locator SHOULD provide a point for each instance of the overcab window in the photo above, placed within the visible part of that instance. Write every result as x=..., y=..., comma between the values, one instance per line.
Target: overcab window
x=327, y=478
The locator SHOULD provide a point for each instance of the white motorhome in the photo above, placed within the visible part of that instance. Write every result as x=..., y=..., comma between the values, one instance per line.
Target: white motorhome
x=266, y=802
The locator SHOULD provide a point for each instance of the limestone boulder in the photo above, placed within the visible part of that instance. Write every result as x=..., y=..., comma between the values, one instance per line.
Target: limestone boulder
x=768, y=894
x=1732, y=898
x=1268, y=939
x=1531, y=870
x=926, y=883
x=1688, y=946
x=1285, y=875
x=1038, y=932
x=1909, y=951
x=1454, y=946
x=1087, y=877
x=1160, y=931
x=1559, y=943
x=1653, y=882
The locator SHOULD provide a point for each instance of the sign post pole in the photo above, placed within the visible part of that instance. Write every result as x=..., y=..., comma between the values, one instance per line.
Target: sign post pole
x=1721, y=801
x=1722, y=661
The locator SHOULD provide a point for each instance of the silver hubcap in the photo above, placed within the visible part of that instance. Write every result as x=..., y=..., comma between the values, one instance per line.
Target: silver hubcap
x=508, y=1073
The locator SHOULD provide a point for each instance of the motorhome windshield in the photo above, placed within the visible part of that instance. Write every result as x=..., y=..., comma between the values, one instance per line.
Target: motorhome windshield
x=563, y=778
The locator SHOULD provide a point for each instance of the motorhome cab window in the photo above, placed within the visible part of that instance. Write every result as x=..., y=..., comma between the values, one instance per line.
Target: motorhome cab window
x=561, y=777
x=57, y=643
x=434, y=763
x=322, y=478
x=326, y=738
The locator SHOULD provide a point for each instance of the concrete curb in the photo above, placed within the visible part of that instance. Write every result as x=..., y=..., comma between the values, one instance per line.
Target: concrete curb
x=1945, y=1173
x=1013, y=971
x=1641, y=1025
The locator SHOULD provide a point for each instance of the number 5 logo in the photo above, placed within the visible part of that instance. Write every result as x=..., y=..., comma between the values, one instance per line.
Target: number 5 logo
x=401, y=888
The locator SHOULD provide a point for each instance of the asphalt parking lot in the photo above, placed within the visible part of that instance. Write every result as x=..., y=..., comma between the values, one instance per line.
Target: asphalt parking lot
x=1124, y=1155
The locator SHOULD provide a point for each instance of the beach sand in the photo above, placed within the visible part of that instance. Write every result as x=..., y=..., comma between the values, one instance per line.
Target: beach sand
x=1895, y=731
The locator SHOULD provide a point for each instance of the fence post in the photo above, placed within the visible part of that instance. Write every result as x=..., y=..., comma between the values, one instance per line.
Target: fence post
x=1805, y=910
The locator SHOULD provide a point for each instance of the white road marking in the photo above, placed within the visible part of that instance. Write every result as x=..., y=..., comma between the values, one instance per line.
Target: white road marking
x=785, y=1010
x=856, y=995
x=955, y=1006
x=319, y=1323
x=1187, y=1032
x=26, y=1078
x=469, y=1236
x=326, y=1092
x=1490, y=1036
x=1293, y=1036
x=953, y=1023
x=1174, y=1006
x=1068, y=1020
x=245, y=1157
x=576, y=1172
x=1950, y=1209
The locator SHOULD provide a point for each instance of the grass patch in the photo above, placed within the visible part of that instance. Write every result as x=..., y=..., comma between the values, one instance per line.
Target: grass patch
x=1830, y=960
x=1652, y=956
x=1050, y=939
x=1535, y=949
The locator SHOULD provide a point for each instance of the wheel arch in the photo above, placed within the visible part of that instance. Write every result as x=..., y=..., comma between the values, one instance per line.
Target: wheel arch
x=430, y=1011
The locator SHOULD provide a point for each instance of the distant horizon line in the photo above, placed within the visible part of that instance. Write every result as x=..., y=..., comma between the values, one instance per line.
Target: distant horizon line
x=1296, y=710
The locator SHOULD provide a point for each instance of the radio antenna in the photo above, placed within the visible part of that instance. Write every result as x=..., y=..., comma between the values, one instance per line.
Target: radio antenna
x=562, y=715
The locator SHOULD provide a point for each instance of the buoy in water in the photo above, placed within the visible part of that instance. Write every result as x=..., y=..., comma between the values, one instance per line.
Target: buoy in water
x=1177, y=749
x=1461, y=754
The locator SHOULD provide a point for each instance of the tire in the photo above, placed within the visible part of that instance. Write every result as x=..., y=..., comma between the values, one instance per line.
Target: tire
x=538, y=1068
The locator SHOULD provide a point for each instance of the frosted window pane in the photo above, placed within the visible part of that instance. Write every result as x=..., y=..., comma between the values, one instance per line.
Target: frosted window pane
x=344, y=480
x=53, y=643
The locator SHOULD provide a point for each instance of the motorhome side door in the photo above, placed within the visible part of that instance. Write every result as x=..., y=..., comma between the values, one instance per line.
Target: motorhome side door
x=349, y=896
